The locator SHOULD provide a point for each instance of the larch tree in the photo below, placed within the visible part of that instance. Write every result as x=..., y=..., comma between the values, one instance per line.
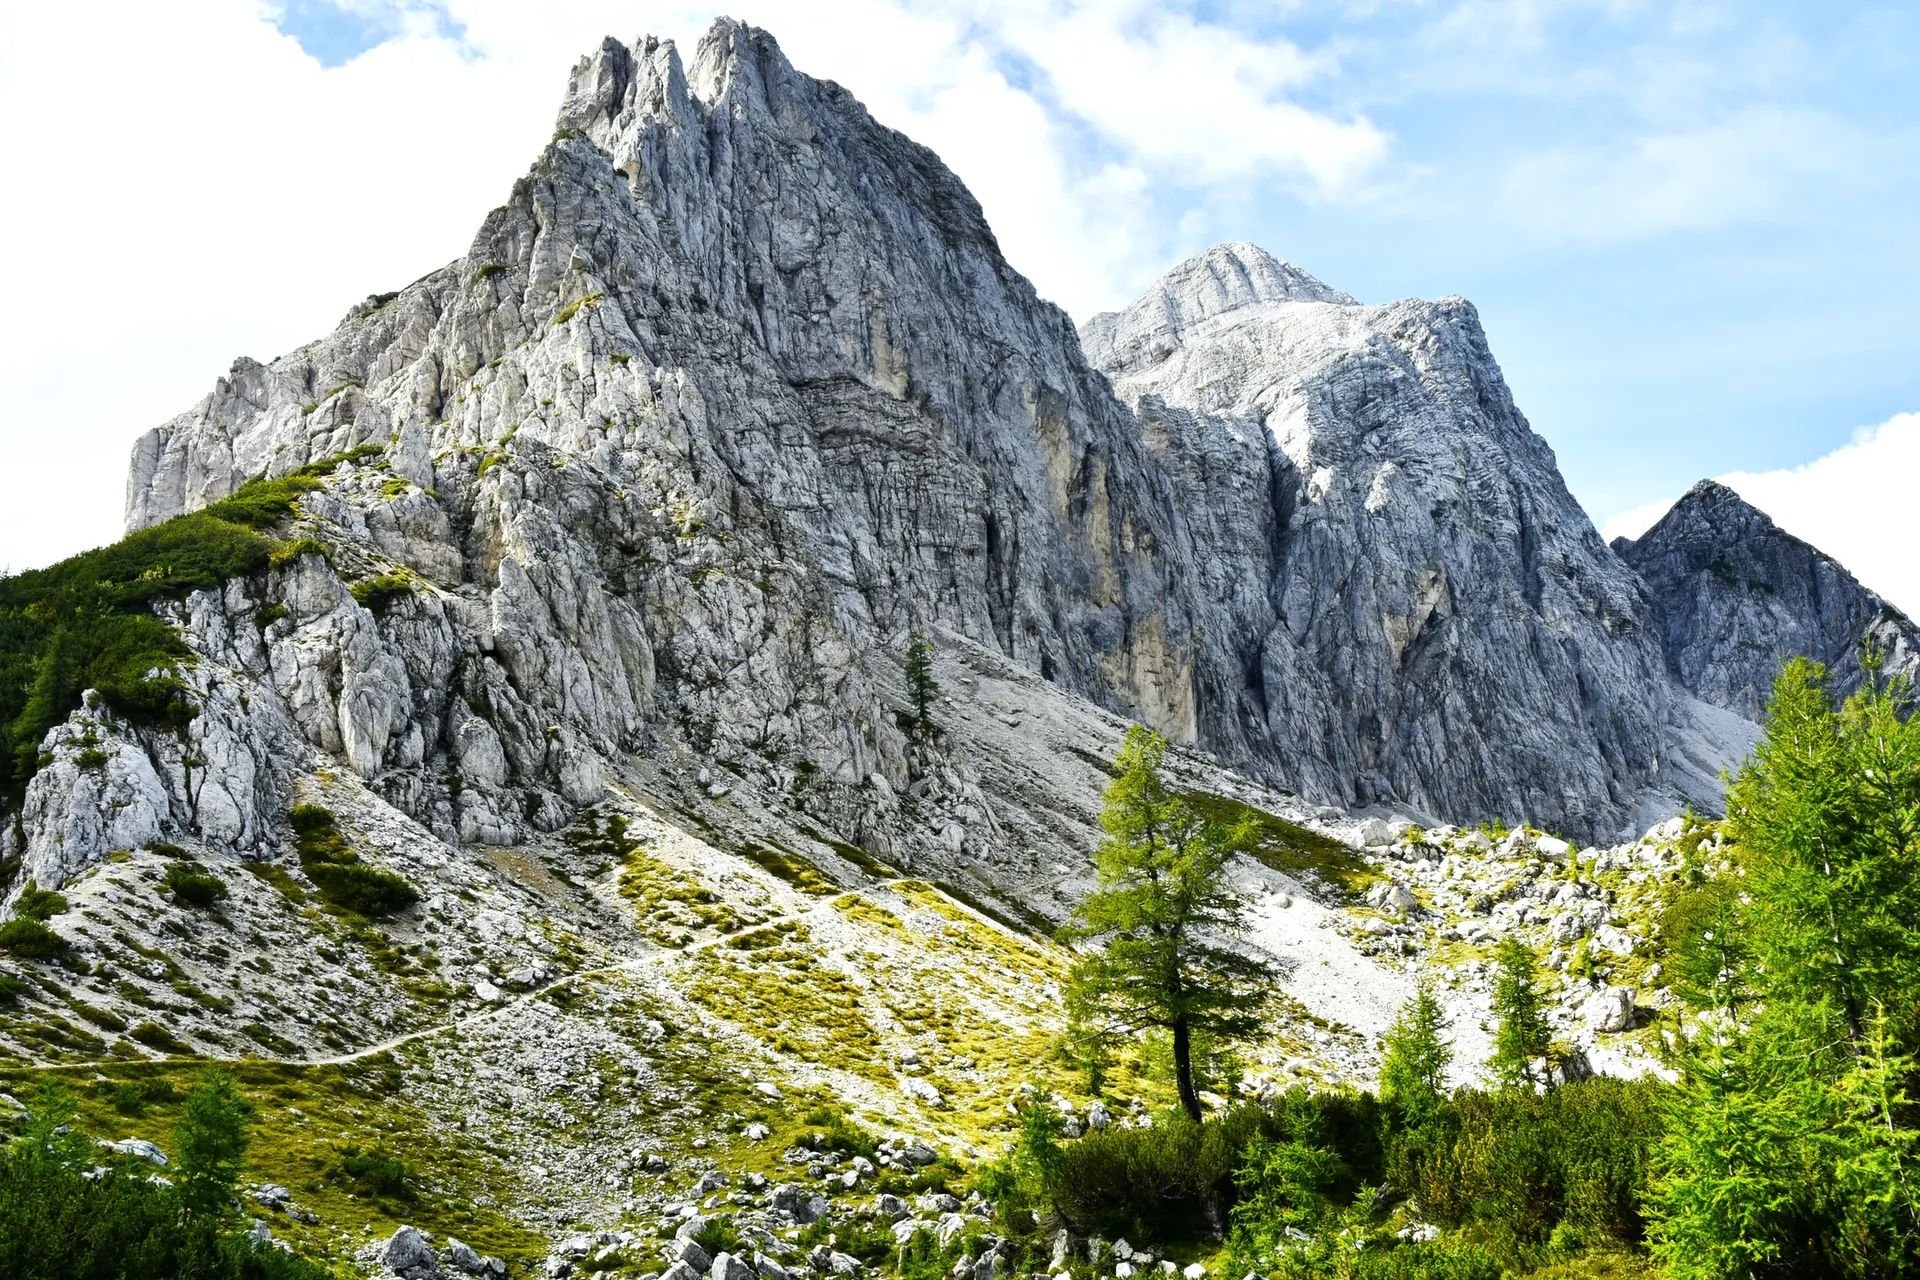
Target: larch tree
x=1163, y=918
x=1522, y=1034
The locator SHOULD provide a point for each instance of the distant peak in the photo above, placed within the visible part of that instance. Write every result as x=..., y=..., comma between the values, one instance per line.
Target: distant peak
x=1237, y=274
x=1229, y=277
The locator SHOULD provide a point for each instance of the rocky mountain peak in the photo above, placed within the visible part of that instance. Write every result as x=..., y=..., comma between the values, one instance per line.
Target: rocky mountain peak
x=1227, y=279
x=1737, y=596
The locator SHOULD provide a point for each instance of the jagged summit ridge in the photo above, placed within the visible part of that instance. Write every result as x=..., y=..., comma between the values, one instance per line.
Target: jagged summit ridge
x=1737, y=596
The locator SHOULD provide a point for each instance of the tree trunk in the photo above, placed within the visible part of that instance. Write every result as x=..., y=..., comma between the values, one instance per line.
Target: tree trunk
x=1183, y=1068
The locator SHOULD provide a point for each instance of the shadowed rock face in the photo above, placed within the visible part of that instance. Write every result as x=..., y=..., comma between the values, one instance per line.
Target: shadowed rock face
x=1737, y=596
x=736, y=389
x=1421, y=609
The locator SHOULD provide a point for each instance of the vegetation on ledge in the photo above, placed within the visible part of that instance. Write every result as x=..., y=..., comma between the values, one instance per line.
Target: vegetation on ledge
x=88, y=622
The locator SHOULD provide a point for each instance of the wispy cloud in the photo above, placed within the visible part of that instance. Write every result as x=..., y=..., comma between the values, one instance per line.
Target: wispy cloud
x=1755, y=164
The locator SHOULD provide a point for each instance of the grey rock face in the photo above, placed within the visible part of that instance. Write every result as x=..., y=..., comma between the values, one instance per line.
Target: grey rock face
x=734, y=391
x=1737, y=596
x=1416, y=607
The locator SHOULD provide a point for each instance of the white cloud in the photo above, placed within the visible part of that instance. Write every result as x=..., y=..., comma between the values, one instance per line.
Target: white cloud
x=1748, y=166
x=192, y=186
x=1840, y=502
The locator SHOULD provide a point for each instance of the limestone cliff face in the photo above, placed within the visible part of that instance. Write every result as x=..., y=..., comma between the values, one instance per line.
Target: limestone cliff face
x=1738, y=595
x=736, y=391
x=1420, y=609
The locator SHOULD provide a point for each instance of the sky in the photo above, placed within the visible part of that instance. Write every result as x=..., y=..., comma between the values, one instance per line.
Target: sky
x=1688, y=226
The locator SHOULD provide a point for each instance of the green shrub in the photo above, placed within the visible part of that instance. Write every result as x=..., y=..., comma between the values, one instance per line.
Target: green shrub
x=11, y=989
x=193, y=887
x=29, y=939
x=36, y=903
x=363, y=890
x=371, y=593
x=1574, y=1160
x=833, y=1131
x=718, y=1235
x=374, y=1172
x=285, y=553
x=1168, y=1181
x=337, y=871
x=157, y=1037
x=59, y=1221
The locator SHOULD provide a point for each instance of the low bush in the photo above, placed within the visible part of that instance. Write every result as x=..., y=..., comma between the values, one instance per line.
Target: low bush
x=718, y=1235
x=1571, y=1163
x=374, y=1172
x=29, y=939
x=193, y=887
x=834, y=1131
x=62, y=1220
x=36, y=903
x=337, y=871
x=88, y=622
x=157, y=1037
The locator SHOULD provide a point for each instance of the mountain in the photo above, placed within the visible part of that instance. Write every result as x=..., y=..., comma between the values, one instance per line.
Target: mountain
x=736, y=390
x=1737, y=596
x=1423, y=613
x=493, y=734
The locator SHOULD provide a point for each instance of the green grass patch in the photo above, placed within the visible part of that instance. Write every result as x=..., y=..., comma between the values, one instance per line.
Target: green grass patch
x=193, y=887
x=382, y=588
x=1289, y=848
x=88, y=622
x=790, y=867
x=573, y=308
x=29, y=939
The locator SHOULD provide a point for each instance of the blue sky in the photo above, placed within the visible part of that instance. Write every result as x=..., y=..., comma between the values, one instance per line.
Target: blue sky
x=1688, y=226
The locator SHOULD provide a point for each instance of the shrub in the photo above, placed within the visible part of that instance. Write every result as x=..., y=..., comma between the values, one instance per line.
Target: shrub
x=285, y=553
x=29, y=939
x=11, y=989
x=833, y=1131
x=1575, y=1158
x=87, y=622
x=371, y=593
x=36, y=903
x=157, y=1037
x=1167, y=1181
x=193, y=887
x=361, y=889
x=61, y=1221
x=337, y=871
x=718, y=1235
x=374, y=1172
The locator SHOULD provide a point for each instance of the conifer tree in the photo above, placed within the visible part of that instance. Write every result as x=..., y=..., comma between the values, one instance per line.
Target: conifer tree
x=1415, y=1058
x=1163, y=913
x=1791, y=1146
x=1522, y=1034
x=210, y=1142
x=920, y=683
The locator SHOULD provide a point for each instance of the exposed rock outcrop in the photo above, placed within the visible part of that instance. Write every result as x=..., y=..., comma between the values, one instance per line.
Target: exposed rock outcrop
x=1737, y=596
x=1420, y=610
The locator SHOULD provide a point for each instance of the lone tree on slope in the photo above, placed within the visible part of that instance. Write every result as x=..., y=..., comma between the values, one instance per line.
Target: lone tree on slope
x=1161, y=912
x=920, y=684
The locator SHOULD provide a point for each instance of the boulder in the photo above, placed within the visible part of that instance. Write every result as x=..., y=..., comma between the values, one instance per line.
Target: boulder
x=1609, y=1010
x=408, y=1249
